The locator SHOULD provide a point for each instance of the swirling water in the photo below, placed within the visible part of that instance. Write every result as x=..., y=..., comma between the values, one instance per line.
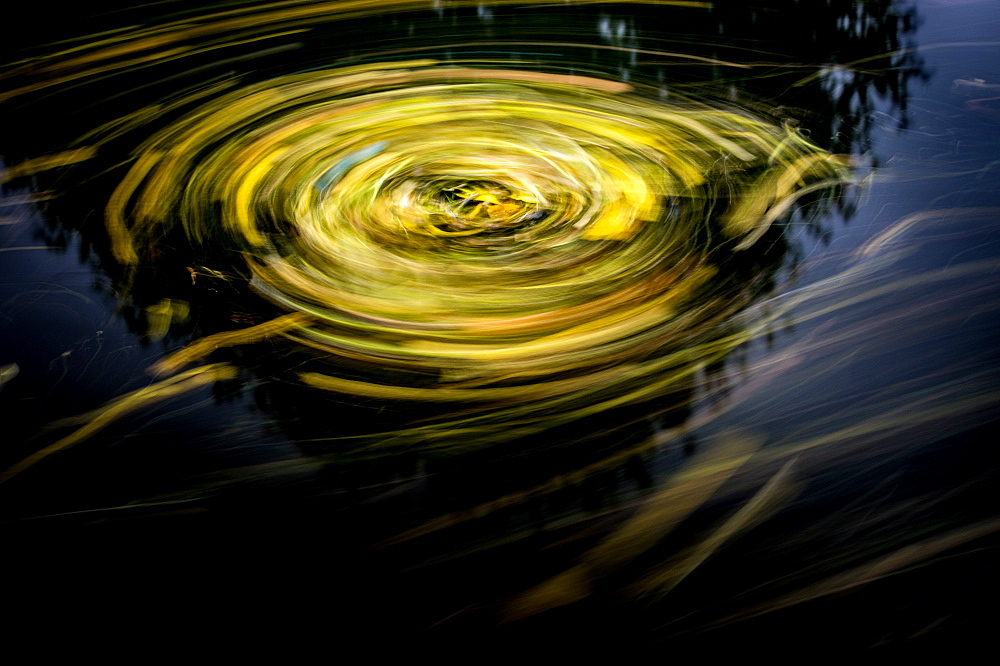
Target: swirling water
x=661, y=319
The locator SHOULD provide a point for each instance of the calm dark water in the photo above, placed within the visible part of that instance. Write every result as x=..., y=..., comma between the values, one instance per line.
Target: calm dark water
x=864, y=355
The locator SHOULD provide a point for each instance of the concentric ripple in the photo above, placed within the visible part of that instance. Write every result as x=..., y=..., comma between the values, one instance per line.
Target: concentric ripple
x=545, y=244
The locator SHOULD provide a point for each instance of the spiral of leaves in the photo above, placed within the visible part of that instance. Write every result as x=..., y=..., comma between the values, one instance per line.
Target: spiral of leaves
x=536, y=246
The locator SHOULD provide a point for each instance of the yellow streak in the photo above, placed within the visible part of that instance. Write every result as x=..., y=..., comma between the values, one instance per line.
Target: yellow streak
x=447, y=394
x=244, y=336
x=39, y=164
x=183, y=383
x=872, y=571
x=883, y=239
x=114, y=213
x=776, y=493
x=660, y=514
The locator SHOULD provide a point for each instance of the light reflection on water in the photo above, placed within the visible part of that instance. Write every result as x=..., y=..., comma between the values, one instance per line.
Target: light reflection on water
x=859, y=338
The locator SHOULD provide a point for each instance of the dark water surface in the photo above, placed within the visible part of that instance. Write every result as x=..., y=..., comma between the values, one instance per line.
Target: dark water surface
x=807, y=458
